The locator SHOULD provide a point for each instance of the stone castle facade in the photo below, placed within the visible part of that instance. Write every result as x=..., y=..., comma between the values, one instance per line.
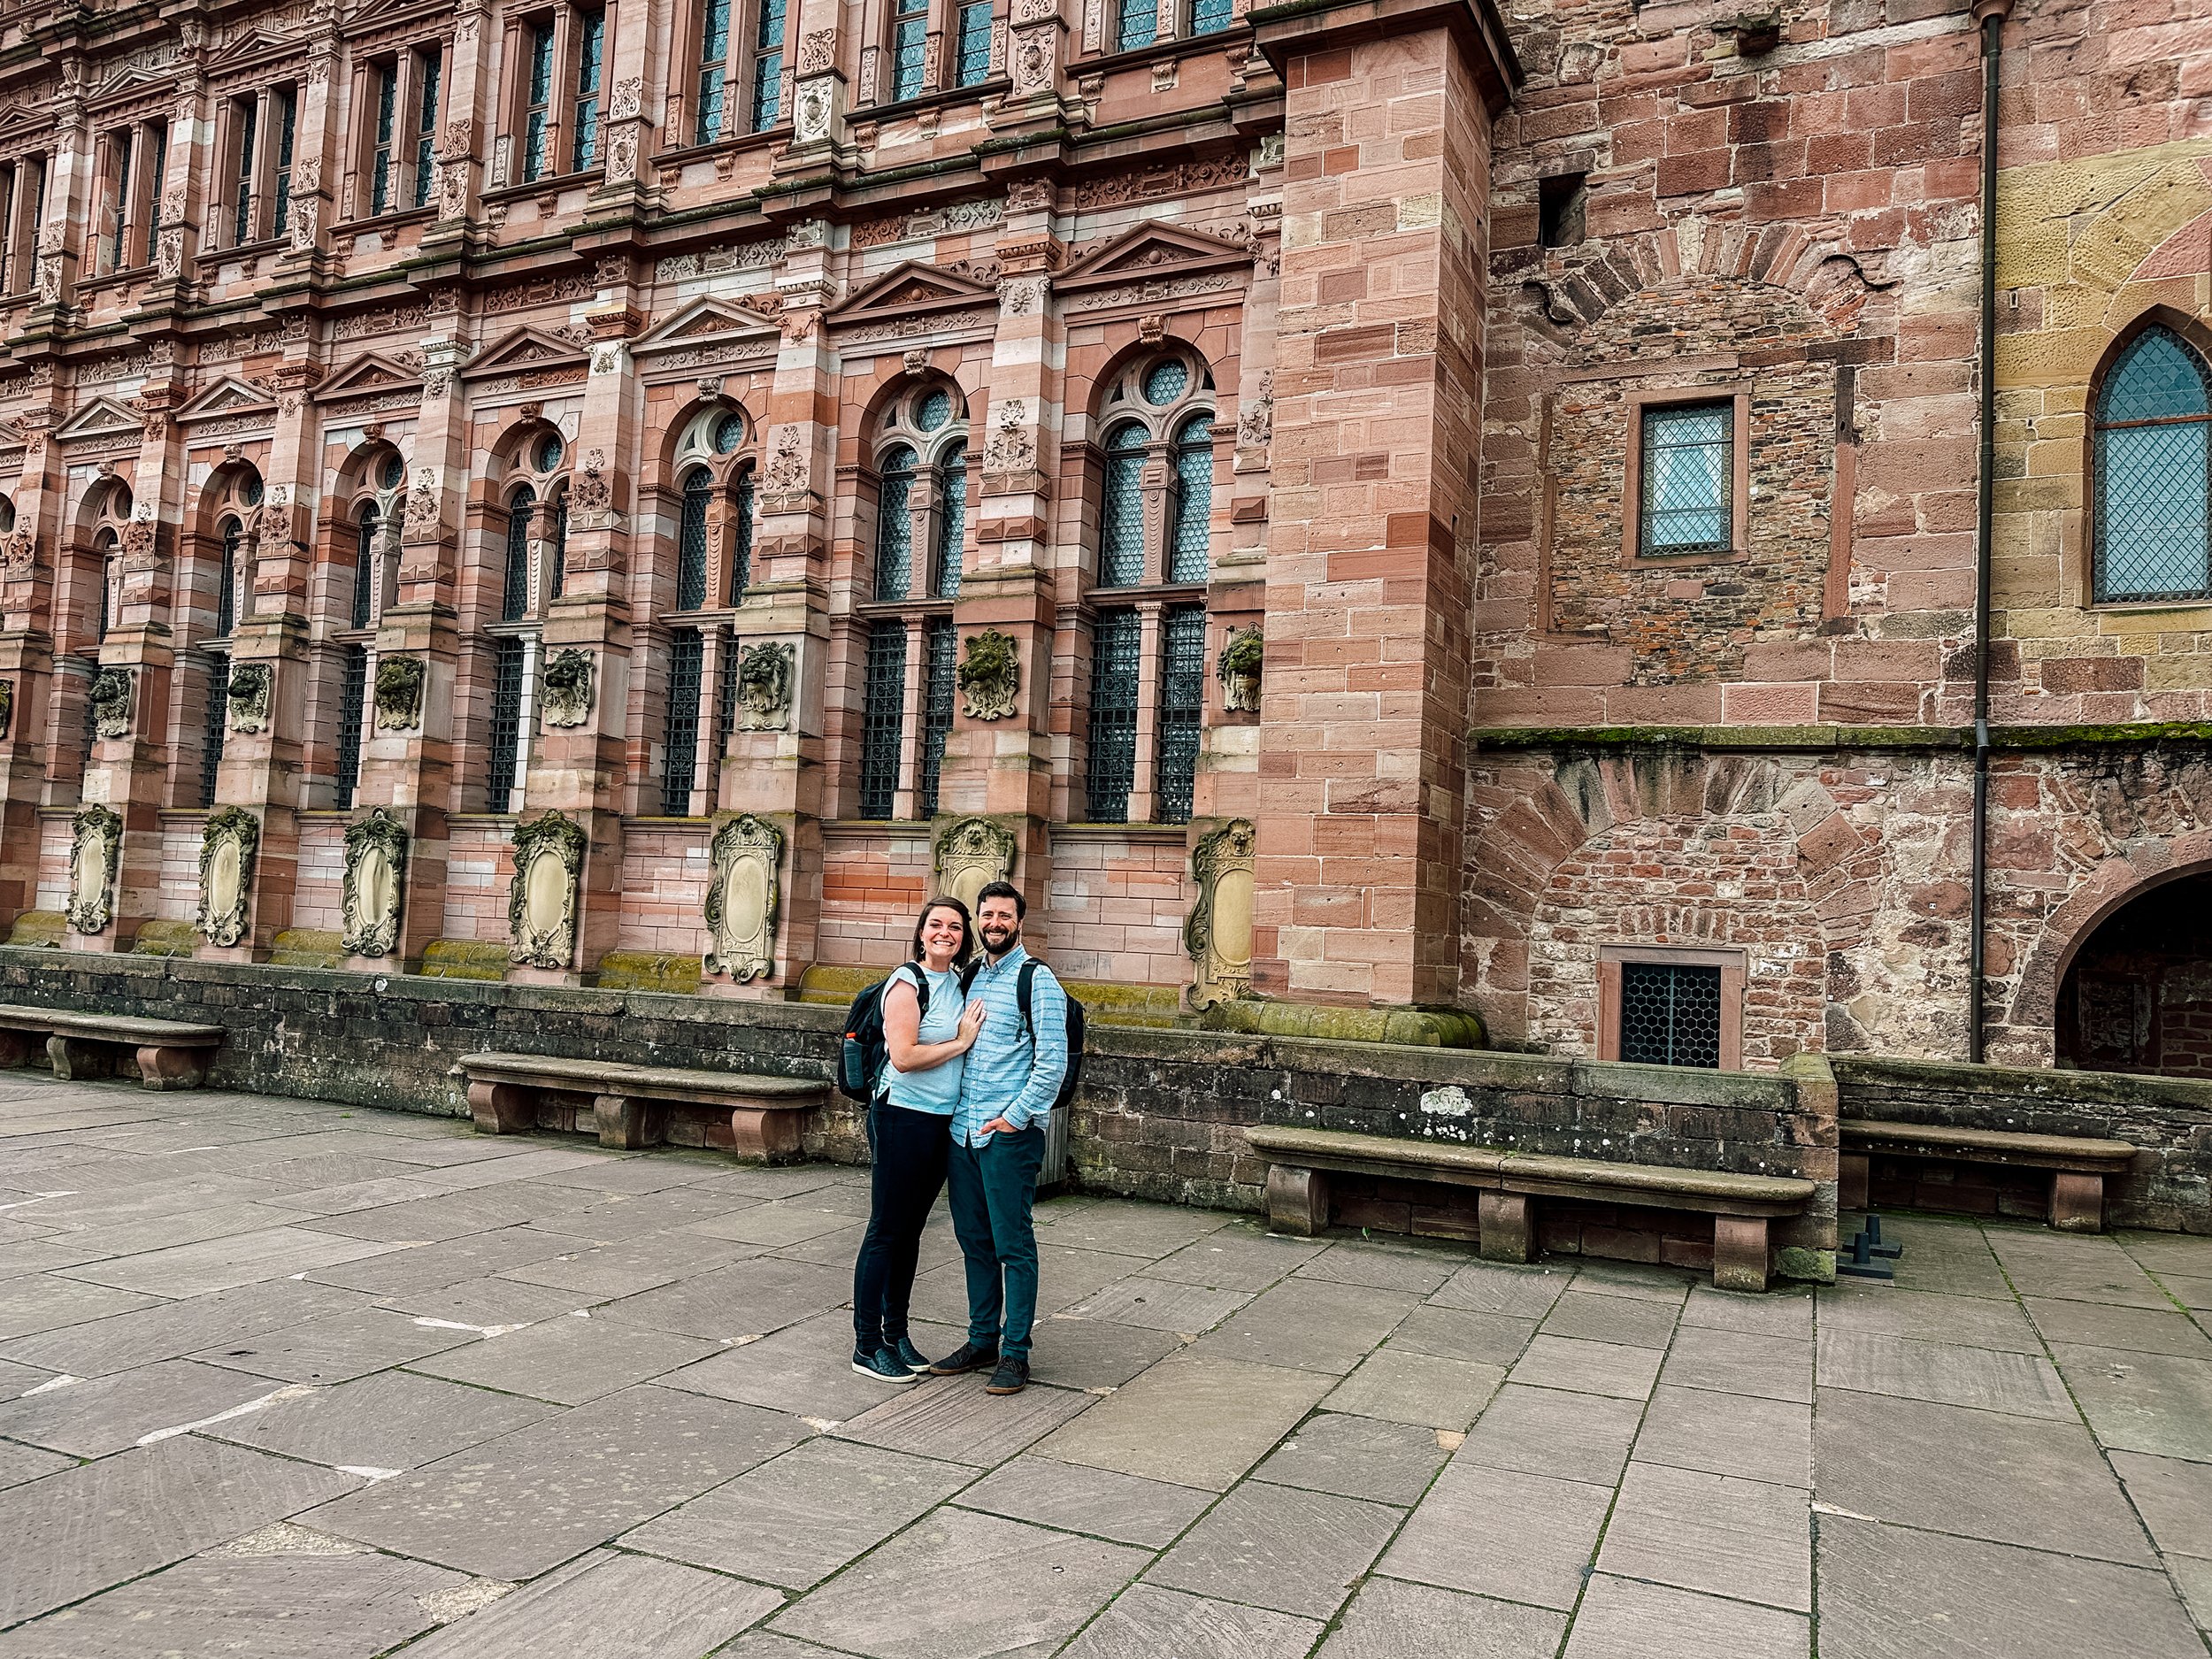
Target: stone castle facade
x=1378, y=502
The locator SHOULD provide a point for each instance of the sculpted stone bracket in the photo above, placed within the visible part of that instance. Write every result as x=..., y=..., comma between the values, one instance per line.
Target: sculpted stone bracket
x=111, y=702
x=765, y=675
x=1219, y=933
x=399, y=681
x=973, y=853
x=252, y=686
x=1239, y=669
x=95, y=835
x=568, y=685
x=743, y=897
x=541, y=903
x=229, y=846
x=990, y=676
x=376, y=867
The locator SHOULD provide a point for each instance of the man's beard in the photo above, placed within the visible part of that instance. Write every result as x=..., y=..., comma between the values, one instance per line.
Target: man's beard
x=997, y=942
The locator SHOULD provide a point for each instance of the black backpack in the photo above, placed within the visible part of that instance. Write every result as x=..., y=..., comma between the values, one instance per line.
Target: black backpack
x=1023, y=995
x=861, y=1059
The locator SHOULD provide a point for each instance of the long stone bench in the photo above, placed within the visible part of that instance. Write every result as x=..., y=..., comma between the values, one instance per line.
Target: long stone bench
x=631, y=1104
x=2079, y=1164
x=171, y=1054
x=1510, y=1185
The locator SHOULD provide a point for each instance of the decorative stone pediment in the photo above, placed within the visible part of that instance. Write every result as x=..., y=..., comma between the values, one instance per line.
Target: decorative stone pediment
x=95, y=835
x=1148, y=252
x=230, y=395
x=228, y=845
x=26, y=116
x=368, y=375
x=911, y=289
x=765, y=674
x=743, y=897
x=542, y=901
x=103, y=421
x=376, y=871
x=252, y=685
x=705, y=321
x=568, y=678
x=973, y=853
x=526, y=349
x=1218, y=933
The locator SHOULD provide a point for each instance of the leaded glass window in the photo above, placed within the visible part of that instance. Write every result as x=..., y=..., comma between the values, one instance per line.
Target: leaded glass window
x=2153, y=460
x=680, y=748
x=952, y=518
x=882, y=717
x=353, y=686
x=508, y=658
x=514, y=593
x=538, y=101
x=1121, y=517
x=365, y=569
x=768, y=64
x=104, y=550
x=741, y=557
x=1670, y=1014
x=1187, y=553
x=910, y=47
x=426, y=124
x=725, y=695
x=288, y=121
x=1182, y=708
x=1686, y=491
x=1137, y=24
x=387, y=112
x=227, y=578
x=557, y=565
x=245, y=115
x=691, y=542
x=940, y=641
x=973, y=56
x=213, y=726
x=1117, y=647
x=714, y=60
x=591, y=45
x=894, y=524
x=1209, y=17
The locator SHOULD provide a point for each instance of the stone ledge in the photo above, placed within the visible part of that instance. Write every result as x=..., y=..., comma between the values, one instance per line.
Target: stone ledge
x=166, y=938
x=1827, y=738
x=38, y=930
x=308, y=947
x=1413, y=1027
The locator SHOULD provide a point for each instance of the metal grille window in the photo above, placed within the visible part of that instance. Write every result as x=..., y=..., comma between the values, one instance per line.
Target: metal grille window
x=725, y=695
x=714, y=62
x=514, y=594
x=2154, y=459
x=1137, y=24
x=741, y=555
x=940, y=643
x=214, y=725
x=1686, y=492
x=353, y=686
x=387, y=112
x=1121, y=529
x=507, y=665
x=538, y=99
x=557, y=565
x=768, y=66
x=227, y=578
x=426, y=67
x=1182, y=709
x=974, y=55
x=691, y=542
x=246, y=118
x=680, y=741
x=1670, y=1014
x=1117, y=647
x=364, y=569
x=1187, y=555
x=882, y=717
x=952, y=518
x=894, y=524
x=910, y=46
x=107, y=577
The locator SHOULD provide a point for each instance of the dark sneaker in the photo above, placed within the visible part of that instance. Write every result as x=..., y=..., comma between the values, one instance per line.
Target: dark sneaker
x=908, y=1355
x=968, y=1356
x=1011, y=1377
x=882, y=1366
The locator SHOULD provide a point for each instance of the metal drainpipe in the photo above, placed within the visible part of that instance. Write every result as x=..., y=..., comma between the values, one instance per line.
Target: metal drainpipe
x=1990, y=16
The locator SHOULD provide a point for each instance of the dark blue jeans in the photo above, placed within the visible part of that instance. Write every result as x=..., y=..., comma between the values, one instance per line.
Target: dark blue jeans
x=909, y=1149
x=991, y=1188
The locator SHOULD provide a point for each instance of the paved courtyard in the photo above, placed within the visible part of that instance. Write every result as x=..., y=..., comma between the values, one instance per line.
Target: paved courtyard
x=281, y=1379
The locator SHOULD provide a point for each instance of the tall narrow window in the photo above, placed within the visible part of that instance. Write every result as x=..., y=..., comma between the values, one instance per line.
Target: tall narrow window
x=725, y=695
x=691, y=542
x=226, y=579
x=508, y=660
x=1685, y=489
x=353, y=686
x=952, y=519
x=2153, y=472
x=364, y=568
x=387, y=120
x=288, y=121
x=974, y=54
x=1209, y=17
x=714, y=68
x=681, y=739
x=591, y=46
x=1182, y=708
x=514, y=593
x=537, y=99
x=768, y=64
x=104, y=550
x=1116, y=648
x=427, y=66
x=940, y=641
x=556, y=563
x=882, y=717
x=742, y=554
x=214, y=725
x=245, y=115
x=910, y=47
x=146, y=209
x=1671, y=1015
x=1121, y=530
x=115, y=187
x=1187, y=552
x=894, y=524
x=1137, y=26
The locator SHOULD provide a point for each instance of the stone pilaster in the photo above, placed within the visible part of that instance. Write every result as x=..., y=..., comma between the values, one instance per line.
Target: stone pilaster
x=27, y=747
x=471, y=116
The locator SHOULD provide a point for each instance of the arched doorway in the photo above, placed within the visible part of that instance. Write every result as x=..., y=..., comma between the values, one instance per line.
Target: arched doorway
x=2138, y=995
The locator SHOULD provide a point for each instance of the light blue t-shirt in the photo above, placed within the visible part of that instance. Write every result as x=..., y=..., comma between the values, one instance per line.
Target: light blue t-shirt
x=937, y=1090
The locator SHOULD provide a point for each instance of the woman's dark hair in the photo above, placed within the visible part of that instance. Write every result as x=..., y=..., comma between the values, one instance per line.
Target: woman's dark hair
x=967, y=929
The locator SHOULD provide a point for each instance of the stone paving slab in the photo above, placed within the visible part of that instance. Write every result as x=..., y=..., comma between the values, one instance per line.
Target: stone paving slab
x=1547, y=1432
x=1312, y=1325
x=1520, y=1538
x=1392, y=1619
x=224, y=1264
x=2023, y=1385
x=1622, y=1619
x=1729, y=1435
x=1409, y=1387
x=2142, y=1403
x=1237, y=1257
x=2144, y=1330
x=1290, y=1550
x=1421, y=1272
x=335, y=1350
x=107, y=1414
x=392, y=1420
x=1720, y=1534
x=629, y=1605
x=1479, y=1339
x=1125, y=1508
x=565, y=1360
x=952, y=1418
x=1146, y=1622
x=1193, y=1418
x=1355, y=1457
x=1596, y=1368
x=153, y=1330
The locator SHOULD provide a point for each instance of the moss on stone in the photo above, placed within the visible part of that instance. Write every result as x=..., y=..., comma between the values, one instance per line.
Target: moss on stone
x=464, y=959
x=38, y=930
x=166, y=938
x=308, y=947
x=836, y=986
x=649, y=971
x=1795, y=1262
x=1415, y=1028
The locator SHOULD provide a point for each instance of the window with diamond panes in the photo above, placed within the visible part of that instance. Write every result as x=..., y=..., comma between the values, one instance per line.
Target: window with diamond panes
x=591, y=50
x=538, y=100
x=1121, y=519
x=714, y=63
x=940, y=641
x=353, y=686
x=365, y=569
x=741, y=555
x=1117, y=657
x=767, y=64
x=725, y=695
x=1137, y=24
x=894, y=524
x=1686, y=495
x=1670, y=1014
x=2153, y=472
x=952, y=519
x=1210, y=17
x=508, y=658
x=910, y=46
x=226, y=579
x=882, y=717
x=680, y=751
x=1187, y=556
x=514, y=593
x=691, y=542
x=1182, y=709
x=973, y=58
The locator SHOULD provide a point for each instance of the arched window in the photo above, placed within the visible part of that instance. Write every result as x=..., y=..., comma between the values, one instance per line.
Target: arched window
x=2153, y=472
x=364, y=566
x=1187, y=552
x=691, y=541
x=952, y=521
x=1121, y=518
x=227, y=578
x=895, y=522
x=514, y=593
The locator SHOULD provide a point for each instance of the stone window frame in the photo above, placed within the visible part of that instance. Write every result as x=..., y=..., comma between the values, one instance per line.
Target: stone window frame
x=408, y=176
x=2088, y=545
x=733, y=491
x=516, y=451
x=681, y=118
x=510, y=152
x=1635, y=400
x=1733, y=961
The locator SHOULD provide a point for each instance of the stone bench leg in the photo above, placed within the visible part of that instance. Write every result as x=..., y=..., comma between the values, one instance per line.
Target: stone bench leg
x=1297, y=1200
x=503, y=1108
x=1854, y=1173
x=75, y=1060
x=162, y=1066
x=1740, y=1252
x=766, y=1132
x=628, y=1124
x=1507, y=1230
x=2077, y=1202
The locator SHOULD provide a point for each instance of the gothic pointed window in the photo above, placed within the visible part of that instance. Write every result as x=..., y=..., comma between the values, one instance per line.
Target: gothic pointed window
x=2153, y=472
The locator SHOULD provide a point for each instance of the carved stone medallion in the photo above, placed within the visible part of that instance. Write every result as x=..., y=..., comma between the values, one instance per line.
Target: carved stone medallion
x=973, y=853
x=990, y=676
x=742, y=898
x=541, y=903
x=251, y=687
x=764, y=675
x=399, y=693
x=227, y=847
x=1239, y=668
x=376, y=869
x=95, y=835
x=111, y=702
x=568, y=688
x=1219, y=933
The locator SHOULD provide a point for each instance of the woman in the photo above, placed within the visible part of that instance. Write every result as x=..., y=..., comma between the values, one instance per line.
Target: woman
x=925, y=1033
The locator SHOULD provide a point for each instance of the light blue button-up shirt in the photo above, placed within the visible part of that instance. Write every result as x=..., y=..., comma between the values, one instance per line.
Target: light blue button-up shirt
x=1010, y=1073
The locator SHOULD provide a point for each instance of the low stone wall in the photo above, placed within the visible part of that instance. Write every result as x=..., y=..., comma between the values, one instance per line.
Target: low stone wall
x=2169, y=1186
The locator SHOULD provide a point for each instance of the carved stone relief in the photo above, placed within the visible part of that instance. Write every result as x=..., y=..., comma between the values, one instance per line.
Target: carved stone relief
x=1239, y=668
x=742, y=898
x=973, y=853
x=1219, y=933
x=764, y=678
x=95, y=835
x=111, y=702
x=399, y=694
x=18, y=552
x=989, y=676
x=376, y=867
x=252, y=685
x=228, y=845
x=7, y=706
x=568, y=681
x=541, y=903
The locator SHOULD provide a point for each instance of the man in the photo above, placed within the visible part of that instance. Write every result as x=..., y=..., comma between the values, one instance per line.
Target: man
x=998, y=1143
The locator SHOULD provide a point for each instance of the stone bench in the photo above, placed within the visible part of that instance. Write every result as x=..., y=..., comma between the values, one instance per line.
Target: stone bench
x=2079, y=1164
x=171, y=1054
x=1510, y=1185
x=631, y=1104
